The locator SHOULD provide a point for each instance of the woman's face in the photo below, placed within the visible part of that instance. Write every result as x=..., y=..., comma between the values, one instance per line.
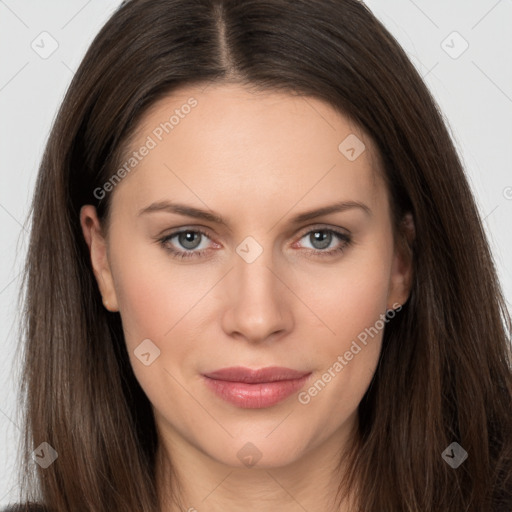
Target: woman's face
x=269, y=286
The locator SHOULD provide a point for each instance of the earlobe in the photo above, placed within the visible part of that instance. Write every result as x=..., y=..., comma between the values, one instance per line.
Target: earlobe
x=402, y=271
x=93, y=235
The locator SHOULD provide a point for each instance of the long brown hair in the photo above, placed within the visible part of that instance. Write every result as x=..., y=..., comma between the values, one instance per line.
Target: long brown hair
x=445, y=372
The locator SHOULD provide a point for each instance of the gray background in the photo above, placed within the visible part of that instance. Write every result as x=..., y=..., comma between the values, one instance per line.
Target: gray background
x=473, y=89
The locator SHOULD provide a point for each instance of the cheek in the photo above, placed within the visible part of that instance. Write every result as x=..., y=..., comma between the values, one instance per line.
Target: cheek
x=155, y=297
x=160, y=305
x=351, y=297
x=350, y=303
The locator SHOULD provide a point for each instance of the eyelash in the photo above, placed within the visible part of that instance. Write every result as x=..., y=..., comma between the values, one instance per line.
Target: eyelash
x=346, y=239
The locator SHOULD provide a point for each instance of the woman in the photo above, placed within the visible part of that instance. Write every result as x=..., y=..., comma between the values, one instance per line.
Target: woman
x=367, y=370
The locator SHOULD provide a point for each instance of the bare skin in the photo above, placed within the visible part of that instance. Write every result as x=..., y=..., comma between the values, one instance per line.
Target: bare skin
x=257, y=160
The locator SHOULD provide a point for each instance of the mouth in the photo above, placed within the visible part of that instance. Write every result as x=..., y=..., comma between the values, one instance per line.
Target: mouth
x=255, y=389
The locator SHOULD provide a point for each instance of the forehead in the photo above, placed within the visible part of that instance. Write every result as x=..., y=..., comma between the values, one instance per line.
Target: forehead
x=226, y=139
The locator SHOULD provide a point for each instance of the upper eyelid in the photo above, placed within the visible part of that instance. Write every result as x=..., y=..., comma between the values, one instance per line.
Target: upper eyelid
x=324, y=227
x=304, y=230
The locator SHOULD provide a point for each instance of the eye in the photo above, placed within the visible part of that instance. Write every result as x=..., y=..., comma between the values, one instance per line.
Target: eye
x=323, y=238
x=186, y=238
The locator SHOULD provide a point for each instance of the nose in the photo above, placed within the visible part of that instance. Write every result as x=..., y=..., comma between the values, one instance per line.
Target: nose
x=258, y=307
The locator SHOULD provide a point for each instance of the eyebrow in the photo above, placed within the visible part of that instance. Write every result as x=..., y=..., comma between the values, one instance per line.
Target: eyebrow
x=190, y=211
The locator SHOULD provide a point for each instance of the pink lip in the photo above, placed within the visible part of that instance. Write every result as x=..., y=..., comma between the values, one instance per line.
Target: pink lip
x=255, y=389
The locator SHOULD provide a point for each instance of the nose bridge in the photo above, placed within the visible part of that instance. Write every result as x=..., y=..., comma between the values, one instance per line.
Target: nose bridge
x=258, y=302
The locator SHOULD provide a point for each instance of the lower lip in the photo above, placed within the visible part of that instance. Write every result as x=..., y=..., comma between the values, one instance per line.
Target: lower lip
x=255, y=396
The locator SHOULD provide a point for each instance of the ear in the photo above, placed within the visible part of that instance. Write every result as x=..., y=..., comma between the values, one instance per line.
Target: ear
x=402, y=270
x=93, y=234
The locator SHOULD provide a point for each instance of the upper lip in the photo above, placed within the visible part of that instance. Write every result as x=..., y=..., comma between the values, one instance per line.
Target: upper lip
x=248, y=375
